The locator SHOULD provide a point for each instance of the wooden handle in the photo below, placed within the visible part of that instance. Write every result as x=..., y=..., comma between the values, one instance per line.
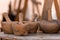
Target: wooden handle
x=5, y=15
x=23, y=11
x=38, y=14
x=49, y=15
x=47, y=6
x=18, y=11
x=57, y=9
x=20, y=17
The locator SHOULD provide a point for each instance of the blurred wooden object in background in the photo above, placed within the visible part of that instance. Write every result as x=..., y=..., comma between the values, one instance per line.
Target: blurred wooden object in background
x=36, y=8
x=23, y=10
x=49, y=15
x=57, y=9
x=46, y=7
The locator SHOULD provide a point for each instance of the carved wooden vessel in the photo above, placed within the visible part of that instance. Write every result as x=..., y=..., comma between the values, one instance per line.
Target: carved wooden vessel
x=49, y=26
x=24, y=28
x=7, y=27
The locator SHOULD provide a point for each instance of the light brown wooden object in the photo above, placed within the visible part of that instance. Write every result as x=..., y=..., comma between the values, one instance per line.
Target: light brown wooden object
x=14, y=4
x=18, y=11
x=47, y=6
x=57, y=9
x=23, y=11
x=36, y=15
x=49, y=15
x=47, y=25
x=5, y=15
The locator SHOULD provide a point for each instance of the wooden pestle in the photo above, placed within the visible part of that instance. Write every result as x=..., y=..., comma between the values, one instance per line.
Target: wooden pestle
x=23, y=11
x=34, y=14
x=49, y=15
x=57, y=9
x=18, y=11
x=46, y=7
x=5, y=15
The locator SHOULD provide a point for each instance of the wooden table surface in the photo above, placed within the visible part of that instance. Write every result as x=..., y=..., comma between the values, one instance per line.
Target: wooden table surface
x=38, y=36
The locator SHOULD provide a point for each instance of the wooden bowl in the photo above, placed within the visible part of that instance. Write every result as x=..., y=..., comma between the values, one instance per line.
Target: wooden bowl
x=7, y=27
x=32, y=27
x=19, y=29
x=49, y=26
x=24, y=28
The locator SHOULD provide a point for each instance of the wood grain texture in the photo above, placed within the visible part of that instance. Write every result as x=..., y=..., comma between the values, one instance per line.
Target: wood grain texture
x=57, y=9
x=23, y=11
x=49, y=15
x=47, y=6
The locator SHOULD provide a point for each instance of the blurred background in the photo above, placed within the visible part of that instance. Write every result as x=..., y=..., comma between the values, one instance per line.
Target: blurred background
x=4, y=7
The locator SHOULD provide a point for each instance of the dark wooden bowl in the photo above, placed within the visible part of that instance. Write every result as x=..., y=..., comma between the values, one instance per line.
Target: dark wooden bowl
x=49, y=26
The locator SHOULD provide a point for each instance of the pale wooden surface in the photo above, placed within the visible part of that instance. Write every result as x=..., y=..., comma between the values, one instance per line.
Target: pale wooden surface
x=38, y=36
